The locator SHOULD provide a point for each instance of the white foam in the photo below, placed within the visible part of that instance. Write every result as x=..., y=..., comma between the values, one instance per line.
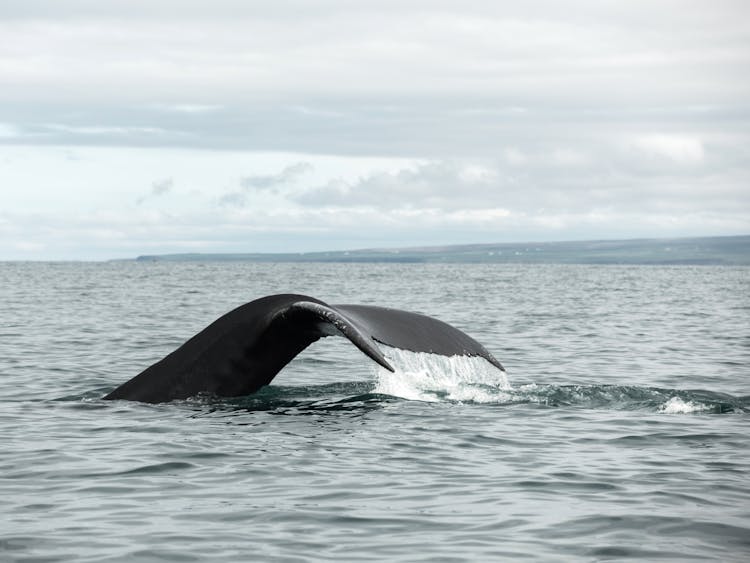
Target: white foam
x=430, y=377
x=675, y=405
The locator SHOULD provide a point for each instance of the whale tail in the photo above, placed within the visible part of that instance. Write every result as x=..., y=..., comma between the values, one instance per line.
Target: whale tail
x=244, y=350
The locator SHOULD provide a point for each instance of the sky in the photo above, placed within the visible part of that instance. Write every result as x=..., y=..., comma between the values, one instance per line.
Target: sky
x=133, y=127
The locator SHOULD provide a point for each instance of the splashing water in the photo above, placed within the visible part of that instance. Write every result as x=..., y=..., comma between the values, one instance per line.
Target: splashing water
x=432, y=378
x=421, y=376
x=675, y=405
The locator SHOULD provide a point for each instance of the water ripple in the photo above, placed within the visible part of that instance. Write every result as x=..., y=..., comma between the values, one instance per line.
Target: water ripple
x=621, y=431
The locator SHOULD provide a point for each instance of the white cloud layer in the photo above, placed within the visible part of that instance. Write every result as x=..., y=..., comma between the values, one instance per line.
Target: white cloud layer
x=131, y=126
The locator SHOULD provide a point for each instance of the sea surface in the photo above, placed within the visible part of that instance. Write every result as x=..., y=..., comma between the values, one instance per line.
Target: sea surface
x=621, y=432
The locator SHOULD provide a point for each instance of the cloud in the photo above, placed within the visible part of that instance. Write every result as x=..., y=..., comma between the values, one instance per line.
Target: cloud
x=653, y=173
x=162, y=187
x=406, y=121
x=438, y=79
x=158, y=188
x=268, y=183
x=434, y=184
x=98, y=130
x=191, y=108
x=273, y=181
x=8, y=131
x=679, y=148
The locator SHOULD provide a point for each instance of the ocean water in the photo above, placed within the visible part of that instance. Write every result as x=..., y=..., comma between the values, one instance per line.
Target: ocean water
x=622, y=430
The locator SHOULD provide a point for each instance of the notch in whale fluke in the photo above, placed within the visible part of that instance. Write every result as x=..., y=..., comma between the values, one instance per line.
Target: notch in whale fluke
x=243, y=350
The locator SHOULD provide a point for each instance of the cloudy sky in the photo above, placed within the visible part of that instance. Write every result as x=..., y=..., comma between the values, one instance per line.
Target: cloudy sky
x=148, y=126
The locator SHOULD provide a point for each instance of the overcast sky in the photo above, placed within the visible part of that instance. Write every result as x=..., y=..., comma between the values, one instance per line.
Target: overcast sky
x=151, y=126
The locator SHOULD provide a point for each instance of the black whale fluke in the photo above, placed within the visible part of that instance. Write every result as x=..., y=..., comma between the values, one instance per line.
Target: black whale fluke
x=243, y=350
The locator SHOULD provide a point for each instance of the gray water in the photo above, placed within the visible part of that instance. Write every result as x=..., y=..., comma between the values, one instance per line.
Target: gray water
x=622, y=431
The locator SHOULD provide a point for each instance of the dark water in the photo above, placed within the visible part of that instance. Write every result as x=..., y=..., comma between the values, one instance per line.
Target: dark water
x=622, y=432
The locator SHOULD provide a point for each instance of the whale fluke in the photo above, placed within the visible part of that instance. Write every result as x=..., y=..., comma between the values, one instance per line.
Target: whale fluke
x=243, y=350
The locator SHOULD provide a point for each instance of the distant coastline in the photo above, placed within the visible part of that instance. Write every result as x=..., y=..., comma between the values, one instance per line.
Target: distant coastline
x=724, y=250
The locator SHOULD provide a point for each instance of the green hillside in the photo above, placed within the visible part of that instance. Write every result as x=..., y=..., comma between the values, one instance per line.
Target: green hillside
x=733, y=250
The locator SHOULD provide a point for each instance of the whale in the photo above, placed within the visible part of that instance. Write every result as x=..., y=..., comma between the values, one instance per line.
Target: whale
x=244, y=349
